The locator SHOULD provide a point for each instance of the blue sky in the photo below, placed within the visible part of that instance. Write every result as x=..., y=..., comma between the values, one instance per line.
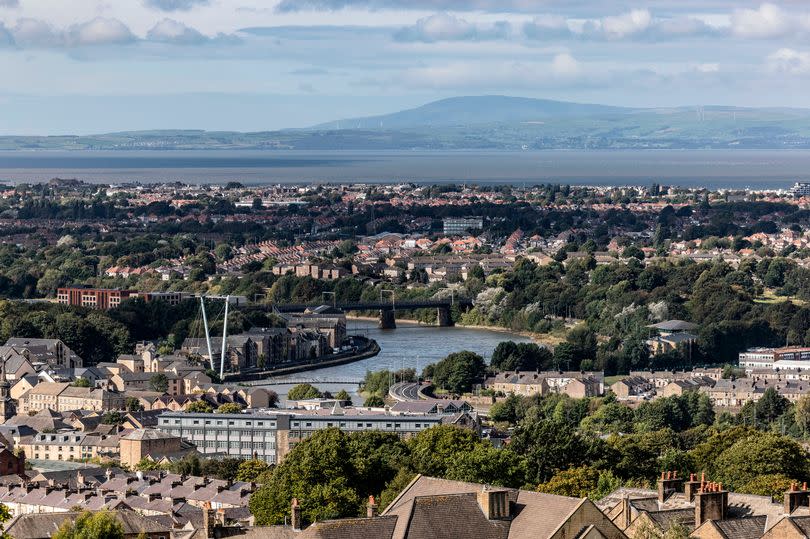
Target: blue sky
x=90, y=66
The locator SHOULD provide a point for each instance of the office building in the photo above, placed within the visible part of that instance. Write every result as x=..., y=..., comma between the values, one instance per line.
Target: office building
x=455, y=226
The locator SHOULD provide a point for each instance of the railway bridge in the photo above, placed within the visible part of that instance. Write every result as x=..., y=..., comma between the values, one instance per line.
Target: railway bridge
x=388, y=308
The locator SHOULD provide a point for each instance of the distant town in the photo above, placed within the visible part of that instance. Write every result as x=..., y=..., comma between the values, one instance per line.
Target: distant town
x=652, y=377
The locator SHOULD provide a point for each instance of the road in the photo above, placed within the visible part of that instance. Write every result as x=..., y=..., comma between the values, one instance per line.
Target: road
x=405, y=391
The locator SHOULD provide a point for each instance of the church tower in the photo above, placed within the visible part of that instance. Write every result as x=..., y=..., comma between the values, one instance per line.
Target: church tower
x=7, y=410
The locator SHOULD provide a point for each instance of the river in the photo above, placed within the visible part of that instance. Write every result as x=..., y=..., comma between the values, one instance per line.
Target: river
x=408, y=346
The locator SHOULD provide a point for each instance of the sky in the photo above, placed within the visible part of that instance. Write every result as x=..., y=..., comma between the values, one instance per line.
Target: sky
x=96, y=66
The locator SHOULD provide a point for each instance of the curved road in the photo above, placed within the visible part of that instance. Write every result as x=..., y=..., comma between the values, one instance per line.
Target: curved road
x=405, y=391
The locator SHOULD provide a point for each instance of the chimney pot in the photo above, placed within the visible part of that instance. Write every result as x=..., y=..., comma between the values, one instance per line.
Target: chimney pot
x=296, y=515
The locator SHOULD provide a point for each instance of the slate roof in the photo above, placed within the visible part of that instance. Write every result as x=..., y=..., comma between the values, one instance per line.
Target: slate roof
x=43, y=525
x=743, y=528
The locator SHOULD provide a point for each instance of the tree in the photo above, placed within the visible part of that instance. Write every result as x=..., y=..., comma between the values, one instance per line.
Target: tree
x=159, y=382
x=489, y=465
x=132, y=404
x=229, y=408
x=396, y=486
x=576, y=482
x=81, y=382
x=199, y=407
x=802, y=413
x=112, y=418
x=343, y=396
x=771, y=405
x=773, y=485
x=374, y=401
x=758, y=455
x=251, y=470
x=377, y=457
x=319, y=473
x=459, y=371
x=303, y=392
x=511, y=356
x=88, y=525
x=434, y=450
x=551, y=446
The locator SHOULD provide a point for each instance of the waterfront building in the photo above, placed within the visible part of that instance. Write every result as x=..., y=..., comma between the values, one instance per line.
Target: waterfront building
x=270, y=436
x=236, y=435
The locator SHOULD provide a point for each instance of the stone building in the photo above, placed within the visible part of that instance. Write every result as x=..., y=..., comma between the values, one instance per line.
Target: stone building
x=150, y=443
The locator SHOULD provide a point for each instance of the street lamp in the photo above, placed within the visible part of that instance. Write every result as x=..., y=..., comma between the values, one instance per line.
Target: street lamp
x=334, y=297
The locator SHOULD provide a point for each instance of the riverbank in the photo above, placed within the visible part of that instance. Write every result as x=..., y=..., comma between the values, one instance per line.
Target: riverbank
x=370, y=350
x=545, y=339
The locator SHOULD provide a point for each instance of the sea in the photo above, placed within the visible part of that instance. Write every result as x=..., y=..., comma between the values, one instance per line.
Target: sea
x=714, y=169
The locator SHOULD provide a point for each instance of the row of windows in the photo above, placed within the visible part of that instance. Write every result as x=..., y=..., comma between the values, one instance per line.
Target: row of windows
x=344, y=424
x=220, y=422
x=221, y=444
x=216, y=433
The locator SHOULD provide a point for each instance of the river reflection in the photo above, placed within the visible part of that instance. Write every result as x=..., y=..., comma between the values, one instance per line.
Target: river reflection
x=408, y=346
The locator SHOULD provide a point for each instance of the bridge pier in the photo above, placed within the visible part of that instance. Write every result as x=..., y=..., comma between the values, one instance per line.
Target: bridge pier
x=443, y=318
x=387, y=319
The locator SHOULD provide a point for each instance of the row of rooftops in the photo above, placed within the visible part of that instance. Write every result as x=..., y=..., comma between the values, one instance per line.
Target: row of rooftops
x=176, y=503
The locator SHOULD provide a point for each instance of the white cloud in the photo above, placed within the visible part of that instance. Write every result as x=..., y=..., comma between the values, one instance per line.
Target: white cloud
x=36, y=33
x=547, y=27
x=6, y=39
x=631, y=25
x=768, y=21
x=172, y=31
x=565, y=65
x=446, y=27
x=626, y=24
x=99, y=31
x=174, y=5
x=790, y=61
x=708, y=68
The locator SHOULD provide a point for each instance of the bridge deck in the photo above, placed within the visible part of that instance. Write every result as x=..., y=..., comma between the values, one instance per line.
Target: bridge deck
x=378, y=305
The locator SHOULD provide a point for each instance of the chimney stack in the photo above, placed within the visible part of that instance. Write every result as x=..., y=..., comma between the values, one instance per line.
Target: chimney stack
x=209, y=520
x=627, y=512
x=668, y=485
x=711, y=503
x=296, y=515
x=795, y=498
x=494, y=503
x=690, y=488
x=371, y=508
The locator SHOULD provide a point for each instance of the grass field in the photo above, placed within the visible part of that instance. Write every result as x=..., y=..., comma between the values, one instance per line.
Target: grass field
x=769, y=297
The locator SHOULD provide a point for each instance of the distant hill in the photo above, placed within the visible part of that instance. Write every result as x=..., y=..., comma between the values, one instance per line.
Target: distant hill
x=485, y=123
x=476, y=110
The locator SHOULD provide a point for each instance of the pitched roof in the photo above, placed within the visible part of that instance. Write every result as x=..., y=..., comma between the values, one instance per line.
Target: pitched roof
x=536, y=514
x=43, y=525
